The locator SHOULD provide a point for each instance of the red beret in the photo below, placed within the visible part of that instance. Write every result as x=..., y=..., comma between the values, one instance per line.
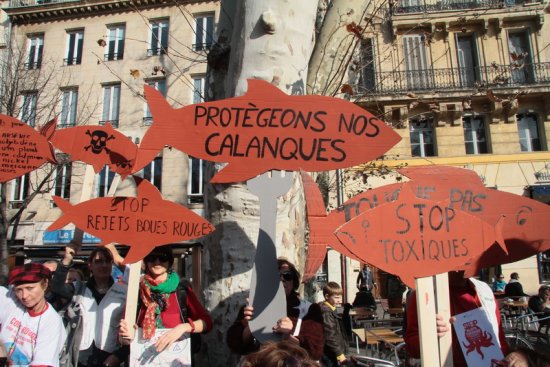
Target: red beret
x=29, y=273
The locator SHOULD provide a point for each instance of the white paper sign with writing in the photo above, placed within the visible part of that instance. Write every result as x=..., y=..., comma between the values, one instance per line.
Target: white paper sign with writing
x=143, y=352
x=477, y=338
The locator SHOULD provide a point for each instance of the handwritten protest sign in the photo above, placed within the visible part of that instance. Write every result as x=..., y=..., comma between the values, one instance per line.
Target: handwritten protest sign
x=413, y=237
x=141, y=222
x=22, y=148
x=143, y=351
x=266, y=129
x=98, y=146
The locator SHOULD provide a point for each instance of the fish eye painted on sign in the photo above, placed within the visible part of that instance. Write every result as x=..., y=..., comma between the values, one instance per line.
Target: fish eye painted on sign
x=266, y=129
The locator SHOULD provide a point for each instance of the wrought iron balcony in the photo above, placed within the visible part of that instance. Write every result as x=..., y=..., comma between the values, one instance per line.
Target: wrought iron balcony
x=423, y=6
x=457, y=79
x=25, y=3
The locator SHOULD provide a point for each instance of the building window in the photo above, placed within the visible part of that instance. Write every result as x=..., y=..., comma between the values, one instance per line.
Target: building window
x=28, y=109
x=68, y=108
x=153, y=172
x=19, y=190
x=528, y=131
x=115, y=42
x=204, y=32
x=35, y=48
x=198, y=89
x=416, y=63
x=159, y=85
x=111, y=104
x=159, y=38
x=468, y=66
x=75, y=41
x=520, y=58
x=104, y=180
x=196, y=180
x=63, y=180
x=367, y=67
x=422, y=137
x=475, y=137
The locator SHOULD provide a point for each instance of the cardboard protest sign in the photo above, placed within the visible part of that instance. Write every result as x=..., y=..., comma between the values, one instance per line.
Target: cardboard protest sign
x=267, y=129
x=144, y=353
x=322, y=226
x=98, y=146
x=476, y=336
x=22, y=148
x=413, y=237
x=141, y=222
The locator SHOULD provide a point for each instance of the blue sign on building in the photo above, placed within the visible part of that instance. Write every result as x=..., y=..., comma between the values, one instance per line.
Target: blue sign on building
x=64, y=236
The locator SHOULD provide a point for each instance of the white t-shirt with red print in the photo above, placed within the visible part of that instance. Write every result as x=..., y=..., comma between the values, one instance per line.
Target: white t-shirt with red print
x=30, y=339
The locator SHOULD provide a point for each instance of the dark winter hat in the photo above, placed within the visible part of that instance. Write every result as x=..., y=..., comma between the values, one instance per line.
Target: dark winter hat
x=29, y=273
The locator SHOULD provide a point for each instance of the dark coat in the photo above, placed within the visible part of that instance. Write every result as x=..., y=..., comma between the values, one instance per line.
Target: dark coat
x=514, y=290
x=335, y=340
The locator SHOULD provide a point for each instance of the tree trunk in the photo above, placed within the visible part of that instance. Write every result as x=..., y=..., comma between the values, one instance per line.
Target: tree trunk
x=269, y=40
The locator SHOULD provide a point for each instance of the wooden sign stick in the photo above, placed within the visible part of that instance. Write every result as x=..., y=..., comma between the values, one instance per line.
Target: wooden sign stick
x=85, y=194
x=425, y=301
x=443, y=308
x=132, y=295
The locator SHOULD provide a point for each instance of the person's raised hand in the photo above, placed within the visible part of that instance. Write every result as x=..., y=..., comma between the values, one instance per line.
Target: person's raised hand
x=70, y=253
x=283, y=326
x=442, y=326
x=171, y=336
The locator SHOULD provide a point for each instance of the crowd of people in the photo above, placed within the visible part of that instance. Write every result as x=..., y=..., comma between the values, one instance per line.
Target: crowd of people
x=39, y=327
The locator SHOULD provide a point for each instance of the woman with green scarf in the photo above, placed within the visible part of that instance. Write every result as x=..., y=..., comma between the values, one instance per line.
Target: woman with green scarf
x=166, y=303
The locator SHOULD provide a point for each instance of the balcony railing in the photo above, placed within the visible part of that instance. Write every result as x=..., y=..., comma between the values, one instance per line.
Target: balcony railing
x=456, y=79
x=113, y=56
x=422, y=6
x=114, y=123
x=25, y=3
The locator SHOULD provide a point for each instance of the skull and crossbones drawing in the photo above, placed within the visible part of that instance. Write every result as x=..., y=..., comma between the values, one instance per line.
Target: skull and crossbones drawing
x=98, y=142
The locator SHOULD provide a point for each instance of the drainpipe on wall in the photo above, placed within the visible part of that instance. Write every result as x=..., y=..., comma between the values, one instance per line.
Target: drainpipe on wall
x=339, y=202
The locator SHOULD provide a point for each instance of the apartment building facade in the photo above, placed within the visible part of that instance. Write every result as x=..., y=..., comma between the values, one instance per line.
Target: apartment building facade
x=465, y=83
x=89, y=61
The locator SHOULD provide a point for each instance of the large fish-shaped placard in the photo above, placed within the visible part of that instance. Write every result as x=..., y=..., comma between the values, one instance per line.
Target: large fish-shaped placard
x=141, y=222
x=98, y=146
x=266, y=129
x=414, y=238
x=22, y=148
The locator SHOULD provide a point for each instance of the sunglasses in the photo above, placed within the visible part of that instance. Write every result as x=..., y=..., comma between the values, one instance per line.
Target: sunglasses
x=287, y=275
x=151, y=258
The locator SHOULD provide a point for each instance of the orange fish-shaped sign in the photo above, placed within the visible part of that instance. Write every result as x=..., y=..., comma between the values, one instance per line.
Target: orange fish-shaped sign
x=22, y=148
x=414, y=238
x=266, y=129
x=323, y=225
x=141, y=222
x=98, y=146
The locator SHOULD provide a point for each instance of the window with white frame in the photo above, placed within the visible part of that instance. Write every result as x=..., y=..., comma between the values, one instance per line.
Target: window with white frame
x=28, y=108
x=20, y=188
x=75, y=40
x=115, y=42
x=69, y=101
x=416, y=63
x=528, y=131
x=62, y=186
x=159, y=37
x=153, y=172
x=104, y=179
x=199, y=84
x=196, y=180
x=35, y=47
x=422, y=137
x=160, y=85
x=111, y=104
x=475, y=135
x=204, y=32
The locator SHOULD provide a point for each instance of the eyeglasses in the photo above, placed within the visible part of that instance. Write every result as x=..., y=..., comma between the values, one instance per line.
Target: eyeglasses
x=287, y=276
x=151, y=258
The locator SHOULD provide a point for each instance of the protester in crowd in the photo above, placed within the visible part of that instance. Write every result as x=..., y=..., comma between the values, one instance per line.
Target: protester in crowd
x=336, y=346
x=32, y=332
x=465, y=294
x=525, y=358
x=166, y=302
x=102, y=305
x=281, y=354
x=365, y=279
x=514, y=289
x=310, y=335
x=499, y=284
x=75, y=274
